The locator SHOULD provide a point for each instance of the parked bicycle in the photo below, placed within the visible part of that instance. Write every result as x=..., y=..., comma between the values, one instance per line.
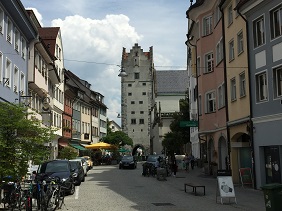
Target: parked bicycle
x=11, y=198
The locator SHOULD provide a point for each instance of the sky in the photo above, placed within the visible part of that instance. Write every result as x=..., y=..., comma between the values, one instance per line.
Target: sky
x=94, y=33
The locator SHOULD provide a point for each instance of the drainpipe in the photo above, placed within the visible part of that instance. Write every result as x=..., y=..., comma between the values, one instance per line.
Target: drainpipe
x=250, y=85
x=225, y=88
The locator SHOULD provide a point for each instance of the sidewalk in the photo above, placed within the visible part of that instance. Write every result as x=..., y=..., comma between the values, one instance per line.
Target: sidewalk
x=247, y=198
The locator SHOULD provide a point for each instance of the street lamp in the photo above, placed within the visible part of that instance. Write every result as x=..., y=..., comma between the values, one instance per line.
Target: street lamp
x=122, y=72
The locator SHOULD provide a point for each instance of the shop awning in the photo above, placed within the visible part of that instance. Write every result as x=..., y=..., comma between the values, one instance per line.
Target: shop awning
x=77, y=146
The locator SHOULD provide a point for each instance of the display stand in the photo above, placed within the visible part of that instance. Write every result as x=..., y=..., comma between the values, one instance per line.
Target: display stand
x=225, y=187
x=246, y=176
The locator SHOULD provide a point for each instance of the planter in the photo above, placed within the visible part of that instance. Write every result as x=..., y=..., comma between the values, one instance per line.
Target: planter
x=214, y=171
x=206, y=168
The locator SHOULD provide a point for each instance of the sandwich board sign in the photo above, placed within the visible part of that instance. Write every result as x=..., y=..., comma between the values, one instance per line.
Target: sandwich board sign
x=225, y=187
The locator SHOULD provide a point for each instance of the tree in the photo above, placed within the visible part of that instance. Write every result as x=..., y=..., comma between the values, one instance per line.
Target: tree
x=68, y=153
x=118, y=138
x=174, y=141
x=21, y=139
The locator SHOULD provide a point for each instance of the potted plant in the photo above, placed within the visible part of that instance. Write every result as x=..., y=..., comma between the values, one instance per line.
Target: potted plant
x=206, y=167
x=213, y=168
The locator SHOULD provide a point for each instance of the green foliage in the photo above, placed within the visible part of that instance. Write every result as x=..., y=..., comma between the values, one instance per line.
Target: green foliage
x=118, y=138
x=67, y=153
x=173, y=141
x=21, y=139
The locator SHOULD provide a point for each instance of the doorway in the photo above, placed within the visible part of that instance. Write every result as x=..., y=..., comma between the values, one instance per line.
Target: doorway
x=272, y=164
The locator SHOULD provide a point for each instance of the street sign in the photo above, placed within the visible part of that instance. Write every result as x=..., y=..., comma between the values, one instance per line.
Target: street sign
x=191, y=123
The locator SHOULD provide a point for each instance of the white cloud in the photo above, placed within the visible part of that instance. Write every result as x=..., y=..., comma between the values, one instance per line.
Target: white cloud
x=101, y=41
x=96, y=31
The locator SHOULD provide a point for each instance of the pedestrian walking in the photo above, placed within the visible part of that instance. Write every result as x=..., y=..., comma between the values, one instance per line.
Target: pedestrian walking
x=174, y=166
x=186, y=161
x=192, y=161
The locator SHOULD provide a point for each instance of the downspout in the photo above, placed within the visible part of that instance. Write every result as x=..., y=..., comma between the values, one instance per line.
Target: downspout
x=251, y=112
x=225, y=88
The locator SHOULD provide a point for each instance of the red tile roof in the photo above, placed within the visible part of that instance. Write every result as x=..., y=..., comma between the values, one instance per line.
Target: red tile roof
x=49, y=35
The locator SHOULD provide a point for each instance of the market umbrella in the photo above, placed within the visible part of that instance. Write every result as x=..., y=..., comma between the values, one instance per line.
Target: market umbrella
x=100, y=145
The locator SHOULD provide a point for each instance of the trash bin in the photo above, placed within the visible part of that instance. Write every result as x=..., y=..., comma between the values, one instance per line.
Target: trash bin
x=161, y=174
x=272, y=196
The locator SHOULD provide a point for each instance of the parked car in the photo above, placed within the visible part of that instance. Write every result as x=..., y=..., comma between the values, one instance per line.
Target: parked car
x=78, y=172
x=128, y=161
x=83, y=164
x=59, y=168
x=151, y=159
x=89, y=162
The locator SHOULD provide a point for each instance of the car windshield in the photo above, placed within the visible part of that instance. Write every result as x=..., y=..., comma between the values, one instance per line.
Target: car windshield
x=152, y=158
x=54, y=167
x=74, y=164
x=126, y=158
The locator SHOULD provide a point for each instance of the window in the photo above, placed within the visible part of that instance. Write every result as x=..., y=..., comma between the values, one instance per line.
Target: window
x=1, y=66
x=261, y=87
x=277, y=73
x=141, y=112
x=198, y=66
x=132, y=102
x=195, y=93
x=141, y=121
x=230, y=15
x=17, y=40
x=143, y=93
x=207, y=24
x=233, y=89
x=9, y=31
x=22, y=85
x=129, y=85
x=221, y=96
x=240, y=42
x=208, y=62
x=276, y=22
x=242, y=84
x=143, y=84
x=217, y=15
x=231, y=50
x=219, y=51
x=258, y=32
x=132, y=112
x=16, y=80
x=140, y=102
x=1, y=21
x=8, y=73
x=23, y=48
x=136, y=75
x=129, y=94
x=200, y=105
x=210, y=102
x=133, y=121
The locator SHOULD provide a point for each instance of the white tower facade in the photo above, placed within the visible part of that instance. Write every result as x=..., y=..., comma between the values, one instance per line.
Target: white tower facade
x=138, y=98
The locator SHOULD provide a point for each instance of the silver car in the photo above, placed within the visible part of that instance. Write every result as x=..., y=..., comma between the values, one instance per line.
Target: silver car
x=83, y=164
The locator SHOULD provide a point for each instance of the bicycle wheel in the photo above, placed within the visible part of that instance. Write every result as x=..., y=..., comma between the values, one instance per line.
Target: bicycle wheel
x=53, y=201
x=61, y=199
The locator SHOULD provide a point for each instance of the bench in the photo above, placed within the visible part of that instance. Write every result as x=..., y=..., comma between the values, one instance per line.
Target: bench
x=194, y=186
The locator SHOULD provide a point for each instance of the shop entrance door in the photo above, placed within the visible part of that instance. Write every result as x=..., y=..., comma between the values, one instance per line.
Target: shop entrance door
x=272, y=164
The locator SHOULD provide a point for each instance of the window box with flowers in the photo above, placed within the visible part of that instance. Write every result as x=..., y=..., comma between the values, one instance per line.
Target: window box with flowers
x=67, y=128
